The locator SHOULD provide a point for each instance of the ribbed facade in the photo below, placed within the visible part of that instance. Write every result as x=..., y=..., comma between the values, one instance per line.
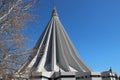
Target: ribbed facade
x=55, y=51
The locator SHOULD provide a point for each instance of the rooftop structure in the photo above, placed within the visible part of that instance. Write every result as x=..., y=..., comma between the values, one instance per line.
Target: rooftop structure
x=56, y=58
x=55, y=51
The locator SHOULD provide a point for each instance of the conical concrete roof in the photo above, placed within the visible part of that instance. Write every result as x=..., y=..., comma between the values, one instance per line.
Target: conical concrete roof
x=55, y=52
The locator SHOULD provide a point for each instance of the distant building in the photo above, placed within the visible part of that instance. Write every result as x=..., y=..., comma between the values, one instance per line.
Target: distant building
x=57, y=59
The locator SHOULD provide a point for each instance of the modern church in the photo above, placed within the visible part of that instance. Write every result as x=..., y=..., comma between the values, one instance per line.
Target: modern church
x=57, y=59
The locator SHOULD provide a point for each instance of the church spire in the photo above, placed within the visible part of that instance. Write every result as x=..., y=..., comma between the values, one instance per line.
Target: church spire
x=55, y=51
x=110, y=69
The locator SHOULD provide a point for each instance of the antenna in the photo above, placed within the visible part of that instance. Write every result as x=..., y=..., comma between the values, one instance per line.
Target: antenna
x=54, y=5
x=54, y=13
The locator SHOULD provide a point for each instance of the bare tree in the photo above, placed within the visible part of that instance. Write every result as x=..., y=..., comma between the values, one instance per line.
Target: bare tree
x=13, y=17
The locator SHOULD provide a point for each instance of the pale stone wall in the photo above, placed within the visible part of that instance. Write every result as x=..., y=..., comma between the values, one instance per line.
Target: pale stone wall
x=74, y=76
x=39, y=79
x=68, y=79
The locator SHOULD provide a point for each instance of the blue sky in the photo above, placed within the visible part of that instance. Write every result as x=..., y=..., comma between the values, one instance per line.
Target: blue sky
x=92, y=25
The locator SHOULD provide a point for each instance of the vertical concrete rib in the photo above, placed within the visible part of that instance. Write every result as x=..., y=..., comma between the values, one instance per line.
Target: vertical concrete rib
x=41, y=65
x=61, y=53
x=54, y=47
x=74, y=54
